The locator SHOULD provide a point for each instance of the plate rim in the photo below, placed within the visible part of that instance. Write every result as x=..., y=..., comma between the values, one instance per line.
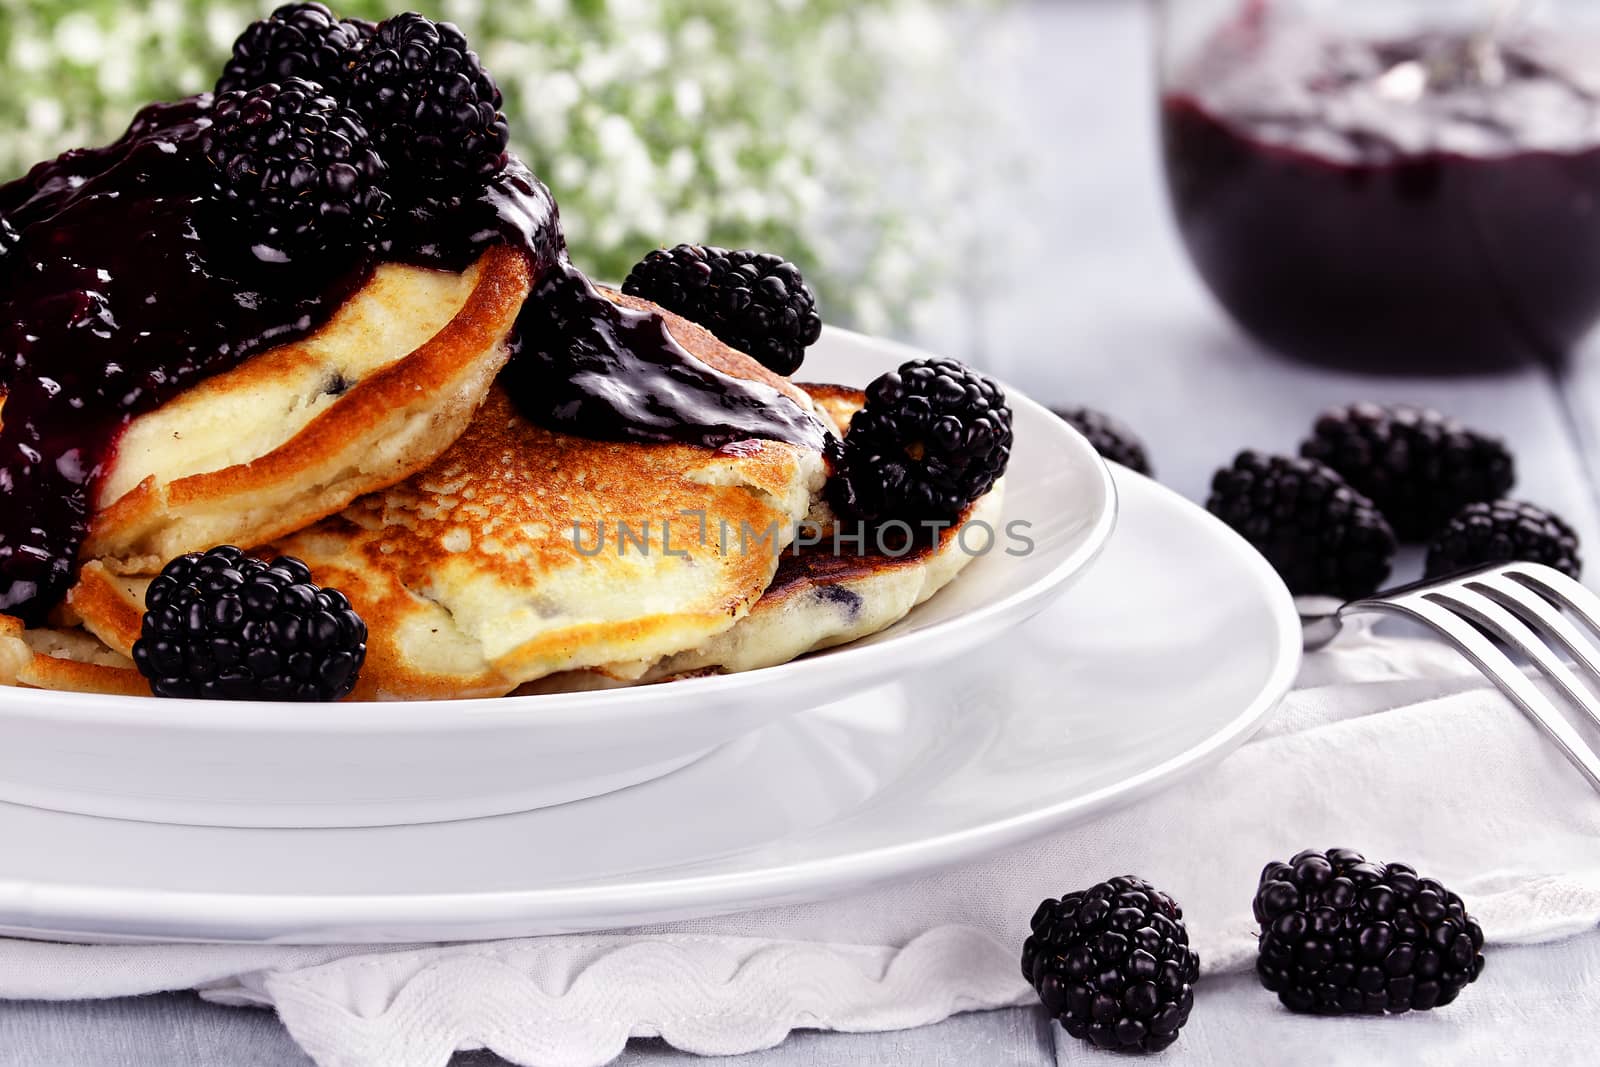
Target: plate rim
x=118, y=911
x=852, y=662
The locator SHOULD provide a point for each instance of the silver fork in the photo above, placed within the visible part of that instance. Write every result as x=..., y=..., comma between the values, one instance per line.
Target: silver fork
x=1518, y=604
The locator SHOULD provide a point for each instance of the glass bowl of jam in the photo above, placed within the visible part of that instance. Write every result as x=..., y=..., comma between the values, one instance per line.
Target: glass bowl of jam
x=1404, y=185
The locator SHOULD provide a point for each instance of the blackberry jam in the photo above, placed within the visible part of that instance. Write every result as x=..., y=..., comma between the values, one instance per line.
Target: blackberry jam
x=123, y=289
x=592, y=368
x=1393, y=204
x=122, y=283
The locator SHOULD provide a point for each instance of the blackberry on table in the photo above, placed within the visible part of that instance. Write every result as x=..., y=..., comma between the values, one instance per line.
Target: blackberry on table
x=296, y=41
x=1419, y=467
x=1113, y=965
x=432, y=108
x=297, y=168
x=1340, y=935
x=753, y=301
x=1503, y=531
x=220, y=625
x=933, y=437
x=1110, y=437
x=1320, y=535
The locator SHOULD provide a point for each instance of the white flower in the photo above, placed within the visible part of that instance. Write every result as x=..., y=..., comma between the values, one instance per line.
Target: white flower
x=680, y=167
x=44, y=116
x=696, y=35
x=569, y=173
x=810, y=127
x=29, y=53
x=166, y=16
x=117, y=73
x=222, y=26
x=688, y=99
x=79, y=39
x=463, y=11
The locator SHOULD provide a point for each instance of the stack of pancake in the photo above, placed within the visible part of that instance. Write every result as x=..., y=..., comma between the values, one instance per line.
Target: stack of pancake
x=487, y=555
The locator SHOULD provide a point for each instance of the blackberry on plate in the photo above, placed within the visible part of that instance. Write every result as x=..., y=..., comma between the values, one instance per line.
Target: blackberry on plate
x=754, y=301
x=1109, y=436
x=1340, y=935
x=296, y=41
x=1418, y=466
x=220, y=625
x=297, y=168
x=1113, y=965
x=933, y=437
x=1320, y=535
x=8, y=237
x=433, y=109
x=1502, y=531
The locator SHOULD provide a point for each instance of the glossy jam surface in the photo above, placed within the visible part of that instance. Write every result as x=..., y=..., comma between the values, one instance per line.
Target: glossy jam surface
x=592, y=368
x=1392, y=204
x=119, y=295
x=126, y=286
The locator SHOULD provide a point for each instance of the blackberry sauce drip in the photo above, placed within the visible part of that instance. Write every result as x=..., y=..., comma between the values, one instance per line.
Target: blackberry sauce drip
x=124, y=289
x=592, y=368
x=122, y=283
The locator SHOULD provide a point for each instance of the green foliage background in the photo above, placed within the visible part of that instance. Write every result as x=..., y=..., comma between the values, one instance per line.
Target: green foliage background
x=738, y=122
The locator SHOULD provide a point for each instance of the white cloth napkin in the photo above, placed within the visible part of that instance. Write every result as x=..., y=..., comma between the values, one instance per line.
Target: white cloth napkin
x=1389, y=746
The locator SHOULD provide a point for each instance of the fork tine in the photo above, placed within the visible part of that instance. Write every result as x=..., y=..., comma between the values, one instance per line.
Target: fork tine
x=1487, y=612
x=1530, y=605
x=1498, y=668
x=1566, y=592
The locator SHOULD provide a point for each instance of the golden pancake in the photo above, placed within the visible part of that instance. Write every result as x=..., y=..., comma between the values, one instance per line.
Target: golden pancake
x=437, y=567
x=522, y=551
x=821, y=600
x=823, y=595
x=297, y=432
x=817, y=598
x=68, y=660
x=110, y=606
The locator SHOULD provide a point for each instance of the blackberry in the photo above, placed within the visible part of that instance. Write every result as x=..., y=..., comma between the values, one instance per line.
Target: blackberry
x=933, y=437
x=1500, y=532
x=1113, y=965
x=1340, y=936
x=433, y=109
x=296, y=41
x=220, y=625
x=297, y=167
x=754, y=301
x=1109, y=436
x=1418, y=466
x=1319, y=534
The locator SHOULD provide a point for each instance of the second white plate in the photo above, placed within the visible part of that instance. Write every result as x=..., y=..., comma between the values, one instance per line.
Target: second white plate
x=243, y=763
x=1171, y=651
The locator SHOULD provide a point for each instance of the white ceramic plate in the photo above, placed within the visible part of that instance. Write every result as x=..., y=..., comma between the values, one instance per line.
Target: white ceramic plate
x=1170, y=652
x=297, y=765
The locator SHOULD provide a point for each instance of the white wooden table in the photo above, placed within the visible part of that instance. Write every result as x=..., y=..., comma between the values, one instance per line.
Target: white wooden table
x=1088, y=300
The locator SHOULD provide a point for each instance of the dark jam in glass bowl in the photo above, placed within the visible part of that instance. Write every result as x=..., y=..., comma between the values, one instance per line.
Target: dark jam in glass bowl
x=1399, y=204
